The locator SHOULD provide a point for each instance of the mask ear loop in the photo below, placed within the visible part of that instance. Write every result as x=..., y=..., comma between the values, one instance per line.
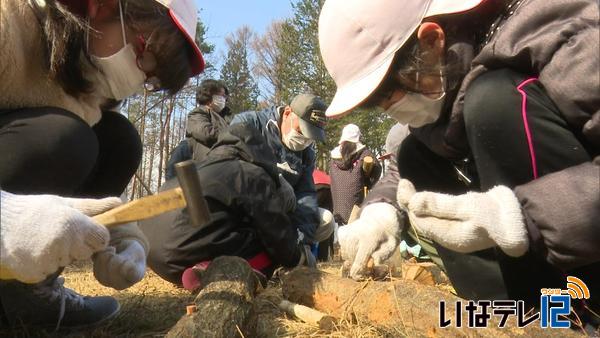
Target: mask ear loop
x=122, y=24
x=87, y=35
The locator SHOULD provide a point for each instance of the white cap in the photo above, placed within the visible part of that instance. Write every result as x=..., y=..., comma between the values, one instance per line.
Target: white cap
x=185, y=15
x=359, y=38
x=350, y=133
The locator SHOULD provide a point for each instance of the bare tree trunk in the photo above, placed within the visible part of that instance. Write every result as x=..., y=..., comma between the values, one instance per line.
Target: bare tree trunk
x=164, y=141
x=167, y=130
x=151, y=150
x=143, y=139
x=161, y=148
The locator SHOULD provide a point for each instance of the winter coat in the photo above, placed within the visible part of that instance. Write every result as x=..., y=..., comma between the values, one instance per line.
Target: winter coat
x=296, y=166
x=348, y=181
x=24, y=67
x=203, y=128
x=26, y=82
x=181, y=152
x=240, y=182
x=557, y=42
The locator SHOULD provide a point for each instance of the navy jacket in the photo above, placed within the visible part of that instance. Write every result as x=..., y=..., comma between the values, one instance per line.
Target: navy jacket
x=298, y=174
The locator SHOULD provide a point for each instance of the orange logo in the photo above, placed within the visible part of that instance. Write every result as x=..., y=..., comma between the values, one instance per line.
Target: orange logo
x=577, y=289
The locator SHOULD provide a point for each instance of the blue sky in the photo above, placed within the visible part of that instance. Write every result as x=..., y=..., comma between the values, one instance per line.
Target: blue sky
x=222, y=17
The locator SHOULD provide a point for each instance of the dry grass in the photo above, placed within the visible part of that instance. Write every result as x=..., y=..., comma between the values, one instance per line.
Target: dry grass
x=153, y=306
x=148, y=309
x=272, y=322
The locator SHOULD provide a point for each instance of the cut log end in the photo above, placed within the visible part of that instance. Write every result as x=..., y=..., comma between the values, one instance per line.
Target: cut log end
x=224, y=304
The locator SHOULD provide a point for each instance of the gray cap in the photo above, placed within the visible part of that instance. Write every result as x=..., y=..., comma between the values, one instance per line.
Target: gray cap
x=311, y=110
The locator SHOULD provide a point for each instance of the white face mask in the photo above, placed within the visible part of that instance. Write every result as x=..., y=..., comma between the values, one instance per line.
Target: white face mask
x=120, y=75
x=218, y=103
x=416, y=109
x=296, y=141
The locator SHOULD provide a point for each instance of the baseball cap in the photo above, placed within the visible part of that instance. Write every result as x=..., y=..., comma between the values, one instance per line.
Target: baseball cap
x=350, y=133
x=311, y=110
x=358, y=40
x=184, y=14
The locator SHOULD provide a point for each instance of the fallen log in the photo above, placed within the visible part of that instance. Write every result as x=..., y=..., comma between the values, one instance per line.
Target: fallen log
x=406, y=306
x=224, y=305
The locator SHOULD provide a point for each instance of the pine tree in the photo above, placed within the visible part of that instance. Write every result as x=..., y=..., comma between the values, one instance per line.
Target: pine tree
x=235, y=73
x=301, y=69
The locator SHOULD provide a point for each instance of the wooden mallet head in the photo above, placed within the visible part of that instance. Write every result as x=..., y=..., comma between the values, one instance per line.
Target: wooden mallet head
x=192, y=192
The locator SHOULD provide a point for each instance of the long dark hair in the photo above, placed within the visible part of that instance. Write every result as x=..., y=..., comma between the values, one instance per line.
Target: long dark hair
x=64, y=35
x=348, y=152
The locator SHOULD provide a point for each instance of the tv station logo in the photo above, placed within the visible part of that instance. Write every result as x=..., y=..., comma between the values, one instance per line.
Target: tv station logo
x=555, y=306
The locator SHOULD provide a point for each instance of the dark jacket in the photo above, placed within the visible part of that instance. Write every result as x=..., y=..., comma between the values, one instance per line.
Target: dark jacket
x=203, y=128
x=239, y=181
x=555, y=41
x=348, y=181
x=181, y=152
x=301, y=164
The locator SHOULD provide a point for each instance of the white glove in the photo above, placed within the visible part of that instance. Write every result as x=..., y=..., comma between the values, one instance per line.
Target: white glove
x=41, y=233
x=286, y=194
x=470, y=222
x=375, y=234
x=123, y=263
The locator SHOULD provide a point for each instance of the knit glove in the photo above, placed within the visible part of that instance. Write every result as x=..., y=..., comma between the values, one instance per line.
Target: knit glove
x=41, y=233
x=470, y=222
x=375, y=234
x=123, y=263
x=286, y=194
x=306, y=256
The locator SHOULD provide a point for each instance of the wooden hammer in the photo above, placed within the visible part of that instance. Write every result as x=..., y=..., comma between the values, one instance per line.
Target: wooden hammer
x=188, y=194
x=367, y=165
x=367, y=168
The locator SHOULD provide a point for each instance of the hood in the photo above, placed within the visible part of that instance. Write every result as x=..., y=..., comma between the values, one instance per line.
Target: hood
x=242, y=142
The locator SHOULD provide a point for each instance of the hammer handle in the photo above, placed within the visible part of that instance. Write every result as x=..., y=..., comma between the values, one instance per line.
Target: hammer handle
x=145, y=207
x=367, y=165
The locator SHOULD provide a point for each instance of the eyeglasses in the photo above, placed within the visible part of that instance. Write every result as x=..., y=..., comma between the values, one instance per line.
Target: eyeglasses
x=406, y=82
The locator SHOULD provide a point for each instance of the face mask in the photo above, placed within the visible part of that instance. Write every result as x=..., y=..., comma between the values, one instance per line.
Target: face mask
x=296, y=141
x=416, y=109
x=119, y=75
x=218, y=103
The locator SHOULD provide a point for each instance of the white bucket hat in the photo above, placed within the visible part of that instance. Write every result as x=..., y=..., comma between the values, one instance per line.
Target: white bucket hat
x=358, y=41
x=350, y=133
x=185, y=15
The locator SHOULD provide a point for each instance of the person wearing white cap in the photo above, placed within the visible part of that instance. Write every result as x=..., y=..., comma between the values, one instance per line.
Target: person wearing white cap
x=348, y=179
x=65, y=64
x=503, y=106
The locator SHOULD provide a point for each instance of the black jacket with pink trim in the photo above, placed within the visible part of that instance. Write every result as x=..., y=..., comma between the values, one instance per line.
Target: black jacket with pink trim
x=557, y=42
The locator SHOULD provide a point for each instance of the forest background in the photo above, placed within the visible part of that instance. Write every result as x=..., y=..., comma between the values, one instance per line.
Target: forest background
x=260, y=71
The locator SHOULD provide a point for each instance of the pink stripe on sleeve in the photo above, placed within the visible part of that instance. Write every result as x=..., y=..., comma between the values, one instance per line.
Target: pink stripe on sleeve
x=526, y=124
